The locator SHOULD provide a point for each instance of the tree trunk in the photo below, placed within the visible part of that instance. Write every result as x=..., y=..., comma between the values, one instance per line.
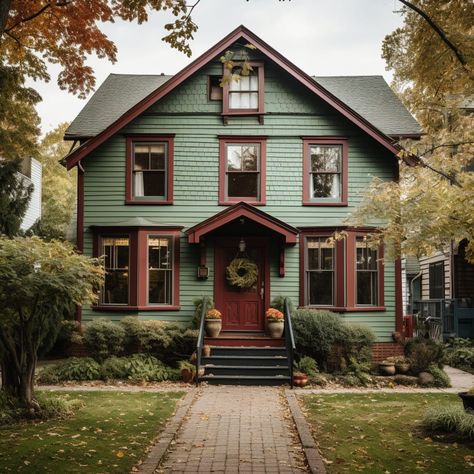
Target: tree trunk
x=4, y=10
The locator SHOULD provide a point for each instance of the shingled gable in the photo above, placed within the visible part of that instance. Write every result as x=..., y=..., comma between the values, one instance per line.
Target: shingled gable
x=240, y=32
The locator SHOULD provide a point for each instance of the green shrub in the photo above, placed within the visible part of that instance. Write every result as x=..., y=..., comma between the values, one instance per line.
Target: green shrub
x=328, y=339
x=104, y=339
x=423, y=353
x=48, y=407
x=360, y=370
x=114, y=368
x=308, y=366
x=78, y=369
x=450, y=419
x=440, y=376
x=182, y=344
x=198, y=311
x=459, y=353
x=145, y=368
x=279, y=304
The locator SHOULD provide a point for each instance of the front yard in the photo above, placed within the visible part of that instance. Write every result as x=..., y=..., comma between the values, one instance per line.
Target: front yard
x=108, y=434
x=379, y=433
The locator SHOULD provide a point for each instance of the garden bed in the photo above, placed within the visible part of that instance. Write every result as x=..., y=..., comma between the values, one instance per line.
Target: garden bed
x=382, y=433
x=110, y=433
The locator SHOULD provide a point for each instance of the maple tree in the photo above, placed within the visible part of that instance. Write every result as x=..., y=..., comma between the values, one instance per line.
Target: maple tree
x=432, y=204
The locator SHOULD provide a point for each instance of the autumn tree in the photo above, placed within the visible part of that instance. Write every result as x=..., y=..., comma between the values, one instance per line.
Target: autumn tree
x=433, y=202
x=38, y=282
x=58, y=190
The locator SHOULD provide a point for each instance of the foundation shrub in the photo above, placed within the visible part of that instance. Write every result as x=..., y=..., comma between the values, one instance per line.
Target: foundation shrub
x=441, y=378
x=331, y=341
x=76, y=369
x=422, y=353
x=145, y=336
x=145, y=368
x=104, y=339
x=459, y=353
x=182, y=343
x=308, y=366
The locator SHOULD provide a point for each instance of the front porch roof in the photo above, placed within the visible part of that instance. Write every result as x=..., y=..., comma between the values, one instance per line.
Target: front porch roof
x=237, y=211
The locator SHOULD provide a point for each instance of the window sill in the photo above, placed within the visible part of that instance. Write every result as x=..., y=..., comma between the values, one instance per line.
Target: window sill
x=231, y=203
x=346, y=309
x=136, y=308
x=323, y=203
x=167, y=202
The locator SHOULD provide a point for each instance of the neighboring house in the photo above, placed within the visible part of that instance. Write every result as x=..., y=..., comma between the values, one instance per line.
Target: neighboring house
x=411, y=283
x=447, y=291
x=31, y=171
x=177, y=176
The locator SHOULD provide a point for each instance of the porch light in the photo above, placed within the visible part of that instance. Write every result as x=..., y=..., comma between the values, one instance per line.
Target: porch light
x=242, y=245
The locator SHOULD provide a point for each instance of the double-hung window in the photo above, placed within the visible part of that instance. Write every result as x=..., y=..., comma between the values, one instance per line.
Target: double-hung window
x=367, y=274
x=325, y=172
x=160, y=270
x=436, y=280
x=149, y=169
x=242, y=170
x=116, y=251
x=320, y=273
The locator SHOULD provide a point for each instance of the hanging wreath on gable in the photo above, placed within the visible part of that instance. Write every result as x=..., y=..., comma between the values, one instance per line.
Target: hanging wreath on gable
x=242, y=272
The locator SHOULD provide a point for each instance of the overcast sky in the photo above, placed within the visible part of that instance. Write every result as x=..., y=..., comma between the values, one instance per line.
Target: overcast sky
x=322, y=37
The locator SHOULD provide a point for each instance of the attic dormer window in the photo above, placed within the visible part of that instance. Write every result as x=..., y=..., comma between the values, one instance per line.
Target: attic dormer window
x=149, y=169
x=244, y=96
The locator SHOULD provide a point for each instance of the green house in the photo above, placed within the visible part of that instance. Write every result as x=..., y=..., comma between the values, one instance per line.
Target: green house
x=180, y=177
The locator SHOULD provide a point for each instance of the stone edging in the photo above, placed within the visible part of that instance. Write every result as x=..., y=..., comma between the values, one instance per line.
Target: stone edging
x=166, y=436
x=315, y=462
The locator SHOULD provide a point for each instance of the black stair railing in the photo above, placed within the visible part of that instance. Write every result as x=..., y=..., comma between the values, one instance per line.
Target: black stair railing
x=289, y=338
x=200, y=341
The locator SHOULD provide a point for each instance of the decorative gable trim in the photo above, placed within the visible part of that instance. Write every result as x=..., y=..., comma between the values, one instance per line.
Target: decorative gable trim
x=240, y=32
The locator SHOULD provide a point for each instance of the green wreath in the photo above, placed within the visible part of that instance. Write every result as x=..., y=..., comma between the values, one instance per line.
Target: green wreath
x=242, y=272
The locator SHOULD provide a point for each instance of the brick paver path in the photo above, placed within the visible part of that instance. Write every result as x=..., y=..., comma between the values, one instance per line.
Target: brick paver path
x=236, y=429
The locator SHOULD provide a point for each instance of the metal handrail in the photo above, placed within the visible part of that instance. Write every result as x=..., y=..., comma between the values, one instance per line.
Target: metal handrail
x=289, y=339
x=200, y=340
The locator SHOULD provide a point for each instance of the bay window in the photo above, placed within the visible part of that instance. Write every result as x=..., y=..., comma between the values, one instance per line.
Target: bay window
x=367, y=269
x=116, y=253
x=320, y=271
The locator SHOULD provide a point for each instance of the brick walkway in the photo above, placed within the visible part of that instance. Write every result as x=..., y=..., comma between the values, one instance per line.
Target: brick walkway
x=236, y=429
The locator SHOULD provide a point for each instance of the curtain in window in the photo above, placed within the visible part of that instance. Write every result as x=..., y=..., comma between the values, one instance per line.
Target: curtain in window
x=243, y=94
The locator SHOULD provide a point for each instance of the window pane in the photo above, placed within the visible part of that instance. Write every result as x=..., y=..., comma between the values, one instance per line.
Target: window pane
x=141, y=157
x=254, y=82
x=367, y=288
x=327, y=256
x=235, y=100
x=325, y=158
x=159, y=287
x=249, y=158
x=254, y=100
x=242, y=185
x=245, y=100
x=115, y=287
x=157, y=157
x=122, y=256
x=321, y=288
x=160, y=276
x=234, y=157
x=234, y=85
x=361, y=257
x=153, y=183
x=244, y=83
x=159, y=253
x=116, y=250
x=325, y=186
x=313, y=254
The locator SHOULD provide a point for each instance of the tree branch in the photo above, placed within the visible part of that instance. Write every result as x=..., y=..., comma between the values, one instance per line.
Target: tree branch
x=441, y=33
x=445, y=145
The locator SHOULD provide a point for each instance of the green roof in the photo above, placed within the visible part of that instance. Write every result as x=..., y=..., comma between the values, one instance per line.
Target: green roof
x=369, y=96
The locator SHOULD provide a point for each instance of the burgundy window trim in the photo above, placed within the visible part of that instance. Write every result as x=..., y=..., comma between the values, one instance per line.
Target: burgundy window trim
x=226, y=111
x=345, y=267
x=307, y=141
x=158, y=138
x=223, y=141
x=138, y=271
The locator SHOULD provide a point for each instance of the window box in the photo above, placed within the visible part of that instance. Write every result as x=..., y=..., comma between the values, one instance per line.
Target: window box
x=242, y=170
x=149, y=169
x=325, y=171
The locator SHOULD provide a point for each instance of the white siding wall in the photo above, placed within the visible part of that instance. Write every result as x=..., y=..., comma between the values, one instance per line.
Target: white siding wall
x=34, y=209
x=425, y=279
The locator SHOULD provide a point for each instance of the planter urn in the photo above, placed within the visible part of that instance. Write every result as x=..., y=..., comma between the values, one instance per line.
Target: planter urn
x=300, y=379
x=467, y=400
x=187, y=375
x=275, y=329
x=206, y=351
x=213, y=327
x=402, y=368
x=387, y=368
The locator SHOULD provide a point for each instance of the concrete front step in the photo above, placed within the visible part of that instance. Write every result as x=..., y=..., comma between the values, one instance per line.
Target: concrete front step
x=246, y=370
x=245, y=380
x=248, y=351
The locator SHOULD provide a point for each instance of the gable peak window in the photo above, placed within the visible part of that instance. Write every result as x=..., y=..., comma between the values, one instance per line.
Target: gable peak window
x=325, y=172
x=245, y=95
x=149, y=169
x=242, y=175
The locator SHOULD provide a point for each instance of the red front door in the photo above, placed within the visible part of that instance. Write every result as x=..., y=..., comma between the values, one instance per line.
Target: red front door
x=242, y=308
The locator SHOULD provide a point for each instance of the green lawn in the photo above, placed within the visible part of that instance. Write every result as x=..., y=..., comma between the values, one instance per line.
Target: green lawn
x=379, y=433
x=109, y=434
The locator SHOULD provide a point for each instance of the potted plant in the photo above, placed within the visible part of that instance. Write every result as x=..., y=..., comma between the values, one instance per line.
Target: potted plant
x=187, y=370
x=275, y=321
x=387, y=368
x=402, y=364
x=467, y=399
x=213, y=322
x=300, y=379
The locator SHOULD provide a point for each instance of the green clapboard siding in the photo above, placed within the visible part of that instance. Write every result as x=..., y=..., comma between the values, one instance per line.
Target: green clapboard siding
x=291, y=113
